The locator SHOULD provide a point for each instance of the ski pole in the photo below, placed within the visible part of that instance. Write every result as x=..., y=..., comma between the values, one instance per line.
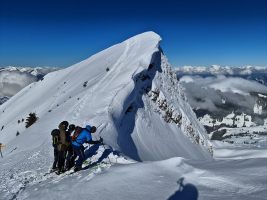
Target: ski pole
x=102, y=142
x=108, y=154
x=1, y=150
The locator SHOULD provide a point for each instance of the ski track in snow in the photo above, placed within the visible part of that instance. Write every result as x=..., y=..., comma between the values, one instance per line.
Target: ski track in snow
x=116, y=68
x=111, y=75
x=28, y=168
x=223, y=179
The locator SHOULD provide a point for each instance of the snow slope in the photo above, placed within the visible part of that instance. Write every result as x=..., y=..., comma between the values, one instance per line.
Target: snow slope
x=114, y=100
x=131, y=94
x=222, y=180
x=23, y=177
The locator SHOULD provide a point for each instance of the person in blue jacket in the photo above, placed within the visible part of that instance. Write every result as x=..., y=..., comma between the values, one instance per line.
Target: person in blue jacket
x=84, y=137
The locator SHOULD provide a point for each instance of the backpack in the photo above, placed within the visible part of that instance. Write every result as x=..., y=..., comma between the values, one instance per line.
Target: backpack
x=76, y=133
x=55, y=137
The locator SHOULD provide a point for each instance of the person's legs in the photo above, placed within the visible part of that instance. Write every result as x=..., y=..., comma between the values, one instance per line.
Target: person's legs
x=1, y=152
x=61, y=160
x=69, y=158
x=55, y=163
x=79, y=152
x=73, y=158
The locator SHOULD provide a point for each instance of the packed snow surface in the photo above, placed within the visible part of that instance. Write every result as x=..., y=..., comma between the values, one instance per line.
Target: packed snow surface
x=131, y=94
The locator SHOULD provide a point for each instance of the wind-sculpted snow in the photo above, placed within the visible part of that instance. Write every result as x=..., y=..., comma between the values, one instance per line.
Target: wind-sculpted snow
x=130, y=93
x=110, y=90
x=117, y=178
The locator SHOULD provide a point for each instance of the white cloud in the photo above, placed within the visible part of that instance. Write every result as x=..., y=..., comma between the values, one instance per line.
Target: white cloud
x=13, y=79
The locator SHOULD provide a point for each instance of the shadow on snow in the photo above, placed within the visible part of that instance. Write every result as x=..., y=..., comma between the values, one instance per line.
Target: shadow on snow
x=126, y=123
x=185, y=191
x=91, y=151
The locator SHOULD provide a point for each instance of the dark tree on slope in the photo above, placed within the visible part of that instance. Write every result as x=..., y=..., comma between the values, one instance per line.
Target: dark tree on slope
x=31, y=119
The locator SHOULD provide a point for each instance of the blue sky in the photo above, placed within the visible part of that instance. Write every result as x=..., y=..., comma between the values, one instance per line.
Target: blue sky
x=61, y=33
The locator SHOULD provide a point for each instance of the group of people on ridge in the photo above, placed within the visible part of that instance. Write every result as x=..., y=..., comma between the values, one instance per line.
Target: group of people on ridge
x=68, y=143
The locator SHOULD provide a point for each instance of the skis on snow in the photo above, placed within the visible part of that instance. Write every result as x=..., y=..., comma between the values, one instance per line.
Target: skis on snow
x=91, y=166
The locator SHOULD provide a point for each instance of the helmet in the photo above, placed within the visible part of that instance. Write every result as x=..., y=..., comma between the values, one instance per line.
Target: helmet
x=72, y=127
x=92, y=129
x=55, y=132
x=64, y=124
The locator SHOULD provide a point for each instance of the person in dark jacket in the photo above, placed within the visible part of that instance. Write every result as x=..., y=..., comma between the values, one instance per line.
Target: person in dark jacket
x=84, y=137
x=55, y=141
x=70, y=156
x=62, y=146
x=1, y=146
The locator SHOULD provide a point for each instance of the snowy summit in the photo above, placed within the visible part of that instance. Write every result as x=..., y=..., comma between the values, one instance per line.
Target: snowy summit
x=155, y=148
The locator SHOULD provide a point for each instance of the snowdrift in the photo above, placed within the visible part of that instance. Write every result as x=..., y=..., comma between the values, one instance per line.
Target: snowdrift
x=128, y=91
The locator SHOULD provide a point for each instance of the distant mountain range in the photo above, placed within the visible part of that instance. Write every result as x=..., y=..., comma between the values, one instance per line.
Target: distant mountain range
x=256, y=73
x=13, y=79
x=231, y=102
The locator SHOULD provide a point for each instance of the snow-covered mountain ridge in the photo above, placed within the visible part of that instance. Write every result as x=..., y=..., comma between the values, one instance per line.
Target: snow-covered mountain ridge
x=109, y=90
x=256, y=73
x=217, y=69
x=134, y=98
x=36, y=71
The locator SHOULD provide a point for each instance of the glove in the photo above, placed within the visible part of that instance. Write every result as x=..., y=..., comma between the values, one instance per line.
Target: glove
x=101, y=140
